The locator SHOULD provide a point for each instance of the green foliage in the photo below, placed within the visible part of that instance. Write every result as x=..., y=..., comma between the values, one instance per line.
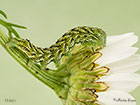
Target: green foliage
x=10, y=26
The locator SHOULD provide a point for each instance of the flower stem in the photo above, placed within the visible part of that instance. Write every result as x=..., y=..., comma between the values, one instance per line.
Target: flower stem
x=35, y=70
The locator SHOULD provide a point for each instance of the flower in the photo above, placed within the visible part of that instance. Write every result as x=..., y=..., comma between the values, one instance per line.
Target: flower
x=120, y=56
x=85, y=75
x=91, y=71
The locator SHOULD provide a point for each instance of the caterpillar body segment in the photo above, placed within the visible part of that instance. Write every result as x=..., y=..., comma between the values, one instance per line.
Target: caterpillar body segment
x=92, y=37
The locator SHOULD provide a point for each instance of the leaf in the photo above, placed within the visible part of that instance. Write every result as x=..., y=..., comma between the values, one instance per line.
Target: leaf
x=10, y=26
x=3, y=14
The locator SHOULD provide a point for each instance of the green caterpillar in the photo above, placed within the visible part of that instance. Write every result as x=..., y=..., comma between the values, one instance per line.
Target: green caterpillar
x=95, y=38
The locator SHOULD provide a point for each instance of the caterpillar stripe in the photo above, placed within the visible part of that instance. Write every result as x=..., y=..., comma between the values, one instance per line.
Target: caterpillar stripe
x=93, y=37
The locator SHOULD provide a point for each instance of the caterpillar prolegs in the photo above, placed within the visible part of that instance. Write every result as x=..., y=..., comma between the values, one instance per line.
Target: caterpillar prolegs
x=92, y=37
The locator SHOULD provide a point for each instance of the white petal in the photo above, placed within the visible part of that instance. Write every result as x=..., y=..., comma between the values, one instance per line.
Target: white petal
x=122, y=81
x=122, y=76
x=128, y=38
x=115, y=53
x=127, y=86
x=117, y=48
x=128, y=65
x=116, y=97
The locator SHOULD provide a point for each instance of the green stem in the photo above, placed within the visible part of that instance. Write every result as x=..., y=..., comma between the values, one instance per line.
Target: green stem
x=35, y=71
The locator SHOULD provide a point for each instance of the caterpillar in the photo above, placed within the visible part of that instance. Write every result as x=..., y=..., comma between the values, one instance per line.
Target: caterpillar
x=93, y=37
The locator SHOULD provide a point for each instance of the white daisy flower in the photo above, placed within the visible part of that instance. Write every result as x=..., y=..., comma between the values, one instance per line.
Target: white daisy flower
x=85, y=75
x=121, y=58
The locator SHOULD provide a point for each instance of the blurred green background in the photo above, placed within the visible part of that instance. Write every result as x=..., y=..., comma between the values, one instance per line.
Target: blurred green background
x=47, y=20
